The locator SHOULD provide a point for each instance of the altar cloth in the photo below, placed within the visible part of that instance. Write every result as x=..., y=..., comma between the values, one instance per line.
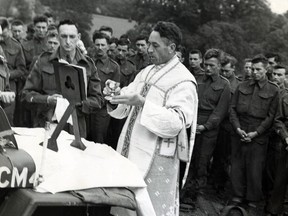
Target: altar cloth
x=72, y=169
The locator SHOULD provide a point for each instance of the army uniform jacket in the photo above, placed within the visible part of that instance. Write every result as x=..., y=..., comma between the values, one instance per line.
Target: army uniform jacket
x=15, y=58
x=141, y=61
x=234, y=82
x=254, y=105
x=127, y=72
x=33, y=48
x=107, y=69
x=41, y=81
x=214, y=97
x=281, y=117
x=197, y=71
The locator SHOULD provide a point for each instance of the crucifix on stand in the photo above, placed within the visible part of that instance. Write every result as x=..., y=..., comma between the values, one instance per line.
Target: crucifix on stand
x=71, y=83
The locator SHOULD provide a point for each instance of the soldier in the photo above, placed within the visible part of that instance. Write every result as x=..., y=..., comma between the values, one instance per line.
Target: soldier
x=30, y=32
x=50, y=18
x=247, y=69
x=223, y=147
x=180, y=52
x=273, y=60
x=252, y=112
x=52, y=42
x=127, y=67
x=275, y=202
x=6, y=96
x=37, y=45
x=214, y=97
x=141, y=58
x=195, y=61
x=107, y=69
x=17, y=29
x=40, y=87
x=112, y=52
x=17, y=72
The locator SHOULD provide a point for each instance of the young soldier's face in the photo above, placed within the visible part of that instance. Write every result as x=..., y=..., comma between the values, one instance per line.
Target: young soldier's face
x=17, y=31
x=227, y=71
x=68, y=37
x=258, y=71
x=279, y=76
x=195, y=60
x=41, y=29
x=101, y=45
x=248, y=69
x=212, y=66
x=141, y=46
x=52, y=43
x=122, y=51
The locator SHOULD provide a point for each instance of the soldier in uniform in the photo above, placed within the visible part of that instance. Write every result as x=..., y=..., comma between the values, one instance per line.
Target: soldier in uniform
x=17, y=72
x=180, y=52
x=127, y=67
x=17, y=29
x=37, y=44
x=107, y=69
x=247, y=69
x=112, y=51
x=195, y=61
x=252, y=111
x=276, y=200
x=50, y=18
x=273, y=60
x=40, y=87
x=214, y=97
x=6, y=96
x=141, y=58
x=222, y=151
x=30, y=32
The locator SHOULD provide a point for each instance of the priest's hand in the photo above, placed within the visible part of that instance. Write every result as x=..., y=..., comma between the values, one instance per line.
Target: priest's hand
x=133, y=99
x=7, y=97
x=111, y=89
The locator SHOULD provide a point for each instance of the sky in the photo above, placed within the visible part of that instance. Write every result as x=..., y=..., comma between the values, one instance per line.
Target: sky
x=279, y=6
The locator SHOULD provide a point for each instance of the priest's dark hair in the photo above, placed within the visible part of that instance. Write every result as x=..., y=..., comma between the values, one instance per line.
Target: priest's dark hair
x=170, y=31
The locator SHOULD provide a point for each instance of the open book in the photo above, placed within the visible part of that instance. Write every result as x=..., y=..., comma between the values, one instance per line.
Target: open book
x=71, y=81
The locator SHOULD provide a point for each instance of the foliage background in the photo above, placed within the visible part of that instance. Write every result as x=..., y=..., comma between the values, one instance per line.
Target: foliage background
x=242, y=28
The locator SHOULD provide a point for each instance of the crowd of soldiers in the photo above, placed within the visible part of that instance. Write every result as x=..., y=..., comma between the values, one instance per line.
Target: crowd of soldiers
x=241, y=134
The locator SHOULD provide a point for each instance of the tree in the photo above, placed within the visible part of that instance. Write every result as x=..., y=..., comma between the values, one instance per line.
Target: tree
x=70, y=9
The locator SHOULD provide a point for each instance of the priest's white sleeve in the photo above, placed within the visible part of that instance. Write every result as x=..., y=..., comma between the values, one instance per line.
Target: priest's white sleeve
x=167, y=121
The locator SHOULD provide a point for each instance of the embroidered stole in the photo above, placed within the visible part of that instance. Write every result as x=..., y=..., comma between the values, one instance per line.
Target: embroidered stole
x=136, y=110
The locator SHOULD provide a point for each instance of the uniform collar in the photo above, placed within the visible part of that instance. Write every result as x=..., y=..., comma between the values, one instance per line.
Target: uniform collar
x=214, y=77
x=78, y=56
x=261, y=83
x=232, y=78
x=104, y=59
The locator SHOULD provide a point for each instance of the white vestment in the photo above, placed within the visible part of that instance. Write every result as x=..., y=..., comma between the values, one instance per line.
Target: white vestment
x=153, y=130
